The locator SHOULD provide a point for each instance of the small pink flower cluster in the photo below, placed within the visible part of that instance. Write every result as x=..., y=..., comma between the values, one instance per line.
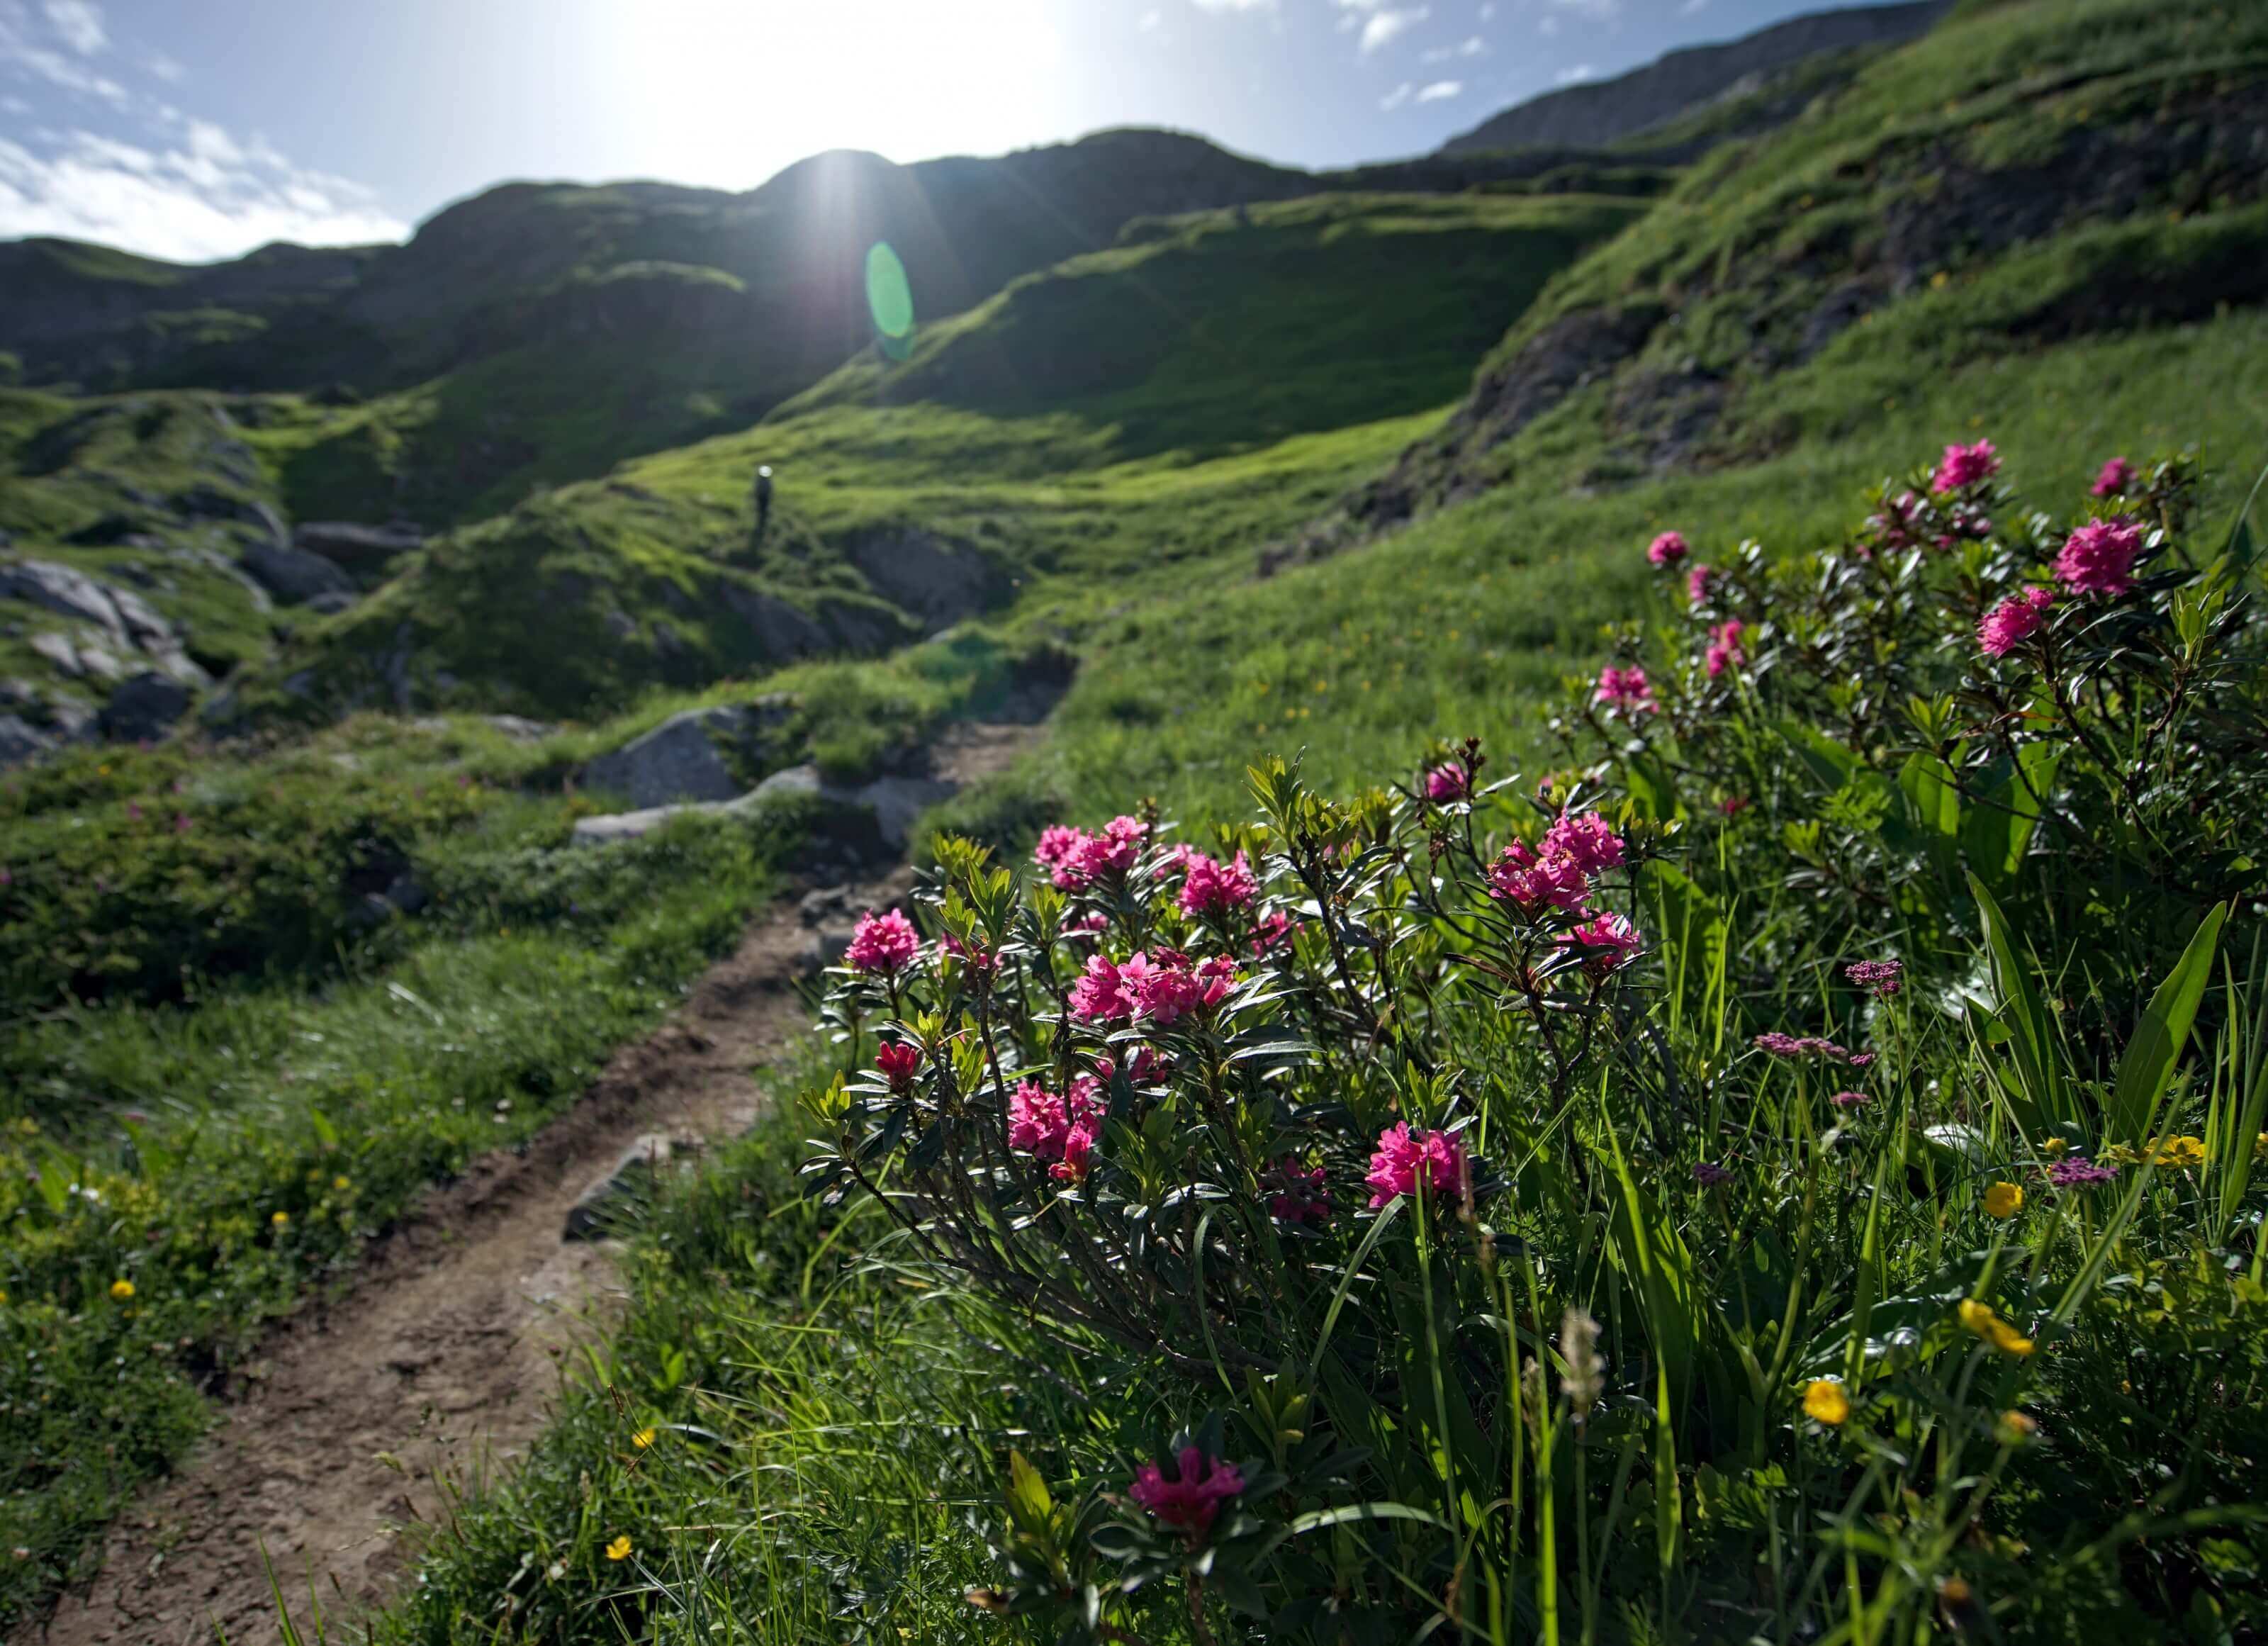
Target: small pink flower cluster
x=1667, y=549
x=1296, y=1193
x=1076, y=859
x=978, y=960
x=1700, y=584
x=2078, y=1172
x=1710, y=1175
x=1725, y=650
x=1558, y=876
x=1404, y=1161
x=1850, y=1100
x=1160, y=989
x=1625, y=691
x=1782, y=1045
x=887, y=943
x=1885, y=977
x=1897, y=527
x=2013, y=621
x=1191, y=1500
x=1272, y=932
x=2118, y=475
x=1612, y=941
x=899, y=1061
x=2098, y=558
x=1059, y=1132
x=1966, y=466
x=1212, y=888
x=1147, y=1068
x=1447, y=783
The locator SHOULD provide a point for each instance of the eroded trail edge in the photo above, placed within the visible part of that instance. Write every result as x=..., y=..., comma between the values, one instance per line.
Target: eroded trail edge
x=436, y=1369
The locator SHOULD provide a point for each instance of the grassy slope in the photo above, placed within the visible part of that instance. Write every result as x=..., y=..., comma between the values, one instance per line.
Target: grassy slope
x=1054, y=499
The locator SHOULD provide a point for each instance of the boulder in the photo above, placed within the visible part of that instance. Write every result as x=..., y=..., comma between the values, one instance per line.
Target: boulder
x=331, y=603
x=628, y=1184
x=64, y=590
x=144, y=707
x=58, y=649
x=678, y=760
x=898, y=802
x=935, y=580
x=349, y=542
x=293, y=575
x=783, y=631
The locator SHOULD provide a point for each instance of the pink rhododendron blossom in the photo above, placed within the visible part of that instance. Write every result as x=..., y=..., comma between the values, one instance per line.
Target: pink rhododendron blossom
x=1076, y=859
x=1897, y=526
x=1614, y=941
x=1163, y=988
x=1725, y=648
x=1699, y=584
x=2013, y=621
x=1146, y=1068
x=1404, y=1160
x=2116, y=476
x=979, y=961
x=1625, y=691
x=1272, y=932
x=1667, y=549
x=1966, y=466
x=2098, y=558
x=1100, y=995
x=1534, y=881
x=1059, y=1132
x=1058, y=845
x=1733, y=805
x=1447, y=783
x=1215, y=888
x=1296, y=1193
x=1189, y=1501
x=1587, y=839
x=883, y=943
x=898, y=1062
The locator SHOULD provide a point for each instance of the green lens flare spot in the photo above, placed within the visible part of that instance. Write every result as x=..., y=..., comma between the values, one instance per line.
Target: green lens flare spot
x=889, y=296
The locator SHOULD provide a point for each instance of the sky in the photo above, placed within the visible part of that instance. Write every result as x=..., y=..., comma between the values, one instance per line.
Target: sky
x=196, y=130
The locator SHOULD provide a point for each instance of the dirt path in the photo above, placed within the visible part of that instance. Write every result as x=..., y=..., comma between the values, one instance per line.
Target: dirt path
x=437, y=1369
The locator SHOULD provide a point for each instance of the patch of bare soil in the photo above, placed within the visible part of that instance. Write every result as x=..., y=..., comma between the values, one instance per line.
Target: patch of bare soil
x=437, y=1368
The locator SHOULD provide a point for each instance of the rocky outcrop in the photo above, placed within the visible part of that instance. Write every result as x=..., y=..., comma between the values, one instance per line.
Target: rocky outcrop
x=126, y=622
x=935, y=580
x=351, y=544
x=144, y=708
x=875, y=818
x=688, y=755
x=294, y=575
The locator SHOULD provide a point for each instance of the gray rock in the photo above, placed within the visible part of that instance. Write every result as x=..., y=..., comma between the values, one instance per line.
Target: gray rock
x=938, y=582
x=408, y=894
x=522, y=730
x=144, y=626
x=349, y=542
x=792, y=783
x=20, y=742
x=829, y=902
x=293, y=575
x=58, y=649
x=628, y=1184
x=828, y=946
x=93, y=659
x=898, y=802
x=65, y=590
x=617, y=826
x=678, y=760
x=144, y=707
x=783, y=631
x=331, y=603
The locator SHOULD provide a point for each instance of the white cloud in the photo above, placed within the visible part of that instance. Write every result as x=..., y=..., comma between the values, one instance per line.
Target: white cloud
x=207, y=197
x=1383, y=25
x=1438, y=89
x=166, y=69
x=1488, y=10
x=1690, y=7
x=1569, y=76
x=1547, y=27
x=1234, y=5
x=1396, y=98
x=1473, y=46
x=1598, y=11
x=80, y=23
x=29, y=57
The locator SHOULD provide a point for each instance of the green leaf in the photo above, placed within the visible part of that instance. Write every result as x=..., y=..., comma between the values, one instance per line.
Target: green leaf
x=1997, y=831
x=1030, y=1505
x=2163, y=1034
x=1646, y=1245
x=1316, y=1520
x=2031, y=1036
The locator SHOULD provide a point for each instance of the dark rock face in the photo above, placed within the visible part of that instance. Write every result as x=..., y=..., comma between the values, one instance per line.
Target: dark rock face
x=938, y=582
x=144, y=708
x=293, y=575
x=1596, y=114
x=350, y=542
x=20, y=742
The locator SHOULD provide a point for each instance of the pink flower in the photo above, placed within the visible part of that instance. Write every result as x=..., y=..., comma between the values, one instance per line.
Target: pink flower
x=1272, y=931
x=1667, y=549
x=2098, y=558
x=180, y=822
x=1447, y=783
x=1733, y=805
x=1588, y=839
x=1898, y=525
x=1850, y=1100
x=1725, y=647
x=1190, y=1500
x=1076, y=859
x=1859, y=1059
x=1058, y=849
x=1697, y=585
x=1165, y=988
x=2078, y=1172
x=1782, y=1045
x=1625, y=691
x=1533, y=883
x=1100, y=995
x=1965, y=466
x=1885, y=977
x=1058, y=1132
x=1403, y=1162
x=2015, y=620
x=2116, y=476
x=1296, y=1193
x=1216, y=889
x=1146, y=1069
x=1614, y=943
x=976, y=960
x=898, y=1062
x=1710, y=1175
x=883, y=943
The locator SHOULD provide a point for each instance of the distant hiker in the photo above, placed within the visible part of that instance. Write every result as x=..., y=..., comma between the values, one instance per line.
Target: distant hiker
x=763, y=499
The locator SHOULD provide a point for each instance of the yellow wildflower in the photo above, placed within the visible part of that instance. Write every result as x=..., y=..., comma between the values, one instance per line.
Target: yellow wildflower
x=121, y=1290
x=2180, y=1153
x=2017, y=1427
x=1825, y=1402
x=2054, y=1148
x=341, y=1184
x=280, y=1219
x=642, y=1439
x=2122, y=1155
x=2004, y=1199
x=619, y=1549
x=1979, y=1319
x=2260, y=1147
